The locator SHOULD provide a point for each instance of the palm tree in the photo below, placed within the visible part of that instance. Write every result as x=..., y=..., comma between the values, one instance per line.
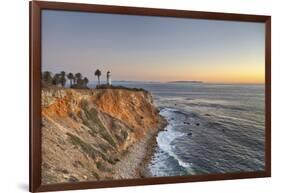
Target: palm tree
x=78, y=78
x=85, y=81
x=56, y=79
x=98, y=74
x=47, y=77
x=62, y=78
x=78, y=75
x=70, y=76
x=80, y=83
x=62, y=73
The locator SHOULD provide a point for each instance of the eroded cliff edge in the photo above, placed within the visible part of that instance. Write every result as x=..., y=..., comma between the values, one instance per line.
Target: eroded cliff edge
x=95, y=134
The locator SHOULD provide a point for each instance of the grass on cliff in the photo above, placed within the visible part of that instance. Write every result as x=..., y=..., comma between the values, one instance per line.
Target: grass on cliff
x=87, y=148
x=92, y=116
x=104, y=86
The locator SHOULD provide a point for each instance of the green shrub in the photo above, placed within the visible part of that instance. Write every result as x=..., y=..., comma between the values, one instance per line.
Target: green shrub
x=96, y=175
x=98, y=164
x=124, y=134
x=102, y=167
x=104, y=86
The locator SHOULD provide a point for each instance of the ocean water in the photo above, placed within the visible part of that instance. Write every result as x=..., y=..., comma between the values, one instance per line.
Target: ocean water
x=212, y=128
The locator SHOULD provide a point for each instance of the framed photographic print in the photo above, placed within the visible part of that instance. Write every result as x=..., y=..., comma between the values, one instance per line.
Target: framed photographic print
x=123, y=96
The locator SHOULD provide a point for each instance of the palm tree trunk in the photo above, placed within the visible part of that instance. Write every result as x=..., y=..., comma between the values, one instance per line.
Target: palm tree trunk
x=98, y=80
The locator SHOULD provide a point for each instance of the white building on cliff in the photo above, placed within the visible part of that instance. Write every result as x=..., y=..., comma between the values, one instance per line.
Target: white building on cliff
x=108, y=79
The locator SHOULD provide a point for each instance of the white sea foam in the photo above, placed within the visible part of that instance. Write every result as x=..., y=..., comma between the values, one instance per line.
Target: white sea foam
x=165, y=138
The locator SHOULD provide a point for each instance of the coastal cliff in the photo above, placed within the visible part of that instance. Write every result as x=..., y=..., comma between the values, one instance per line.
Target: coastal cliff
x=95, y=134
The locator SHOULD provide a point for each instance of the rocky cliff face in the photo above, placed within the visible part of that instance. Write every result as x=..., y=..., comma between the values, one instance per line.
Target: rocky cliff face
x=85, y=133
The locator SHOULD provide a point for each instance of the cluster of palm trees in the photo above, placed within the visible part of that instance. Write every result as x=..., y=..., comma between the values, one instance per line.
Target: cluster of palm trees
x=59, y=79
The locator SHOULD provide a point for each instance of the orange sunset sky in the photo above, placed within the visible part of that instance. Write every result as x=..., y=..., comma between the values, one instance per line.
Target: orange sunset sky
x=142, y=48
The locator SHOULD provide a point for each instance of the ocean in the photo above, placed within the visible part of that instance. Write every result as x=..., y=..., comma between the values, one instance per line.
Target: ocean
x=212, y=128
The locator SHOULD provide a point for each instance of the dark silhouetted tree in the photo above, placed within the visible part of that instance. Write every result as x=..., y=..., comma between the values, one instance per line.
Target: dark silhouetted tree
x=62, y=78
x=70, y=76
x=79, y=81
x=47, y=77
x=85, y=82
x=98, y=74
x=56, y=79
x=78, y=76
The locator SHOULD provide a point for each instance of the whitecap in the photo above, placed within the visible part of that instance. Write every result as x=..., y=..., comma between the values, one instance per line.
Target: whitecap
x=165, y=138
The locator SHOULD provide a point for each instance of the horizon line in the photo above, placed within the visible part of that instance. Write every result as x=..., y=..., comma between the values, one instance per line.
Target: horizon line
x=183, y=81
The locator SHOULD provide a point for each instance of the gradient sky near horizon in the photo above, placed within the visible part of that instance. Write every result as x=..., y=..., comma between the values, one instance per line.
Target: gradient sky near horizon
x=144, y=48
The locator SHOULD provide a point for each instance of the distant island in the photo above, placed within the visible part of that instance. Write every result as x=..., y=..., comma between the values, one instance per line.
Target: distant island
x=159, y=82
x=186, y=81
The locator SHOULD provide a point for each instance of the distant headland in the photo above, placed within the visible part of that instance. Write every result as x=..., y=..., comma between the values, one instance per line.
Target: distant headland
x=186, y=81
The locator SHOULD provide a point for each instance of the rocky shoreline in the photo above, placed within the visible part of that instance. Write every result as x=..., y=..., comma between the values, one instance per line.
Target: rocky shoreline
x=144, y=171
x=135, y=163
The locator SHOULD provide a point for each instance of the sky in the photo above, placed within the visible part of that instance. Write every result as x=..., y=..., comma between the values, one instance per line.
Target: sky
x=145, y=48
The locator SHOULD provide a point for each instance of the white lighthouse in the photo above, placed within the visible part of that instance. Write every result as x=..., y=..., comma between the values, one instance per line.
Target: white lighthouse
x=108, y=79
